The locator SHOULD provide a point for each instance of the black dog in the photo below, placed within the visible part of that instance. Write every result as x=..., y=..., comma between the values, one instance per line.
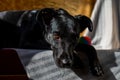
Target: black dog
x=60, y=30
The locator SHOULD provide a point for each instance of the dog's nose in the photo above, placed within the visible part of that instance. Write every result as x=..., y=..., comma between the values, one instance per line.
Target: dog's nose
x=66, y=62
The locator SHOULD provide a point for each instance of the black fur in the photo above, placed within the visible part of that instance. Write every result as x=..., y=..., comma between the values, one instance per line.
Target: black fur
x=57, y=29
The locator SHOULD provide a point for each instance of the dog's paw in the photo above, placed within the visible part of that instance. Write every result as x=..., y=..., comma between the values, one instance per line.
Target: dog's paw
x=97, y=70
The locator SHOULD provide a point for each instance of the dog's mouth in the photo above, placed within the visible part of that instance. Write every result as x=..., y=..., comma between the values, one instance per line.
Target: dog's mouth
x=65, y=65
x=66, y=62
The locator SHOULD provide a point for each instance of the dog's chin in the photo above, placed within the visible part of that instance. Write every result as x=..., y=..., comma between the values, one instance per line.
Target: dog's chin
x=64, y=66
x=61, y=65
x=72, y=66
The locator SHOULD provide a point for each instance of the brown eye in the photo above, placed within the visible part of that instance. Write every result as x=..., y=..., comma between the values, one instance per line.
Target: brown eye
x=56, y=37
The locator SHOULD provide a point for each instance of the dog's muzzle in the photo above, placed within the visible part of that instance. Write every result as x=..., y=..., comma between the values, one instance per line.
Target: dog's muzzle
x=66, y=63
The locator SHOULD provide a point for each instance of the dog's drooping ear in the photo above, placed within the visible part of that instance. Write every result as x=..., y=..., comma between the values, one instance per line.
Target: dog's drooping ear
x=84, y=22
x=45, y=15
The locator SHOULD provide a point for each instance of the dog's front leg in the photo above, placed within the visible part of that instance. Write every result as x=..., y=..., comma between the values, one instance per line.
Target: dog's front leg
x=91, y=53
x=94, y=63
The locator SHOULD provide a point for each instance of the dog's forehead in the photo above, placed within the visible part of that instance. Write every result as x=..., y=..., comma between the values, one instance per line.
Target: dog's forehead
x=63, y=23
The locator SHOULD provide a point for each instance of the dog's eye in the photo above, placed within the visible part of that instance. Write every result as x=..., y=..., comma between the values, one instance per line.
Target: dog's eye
x=56, y=37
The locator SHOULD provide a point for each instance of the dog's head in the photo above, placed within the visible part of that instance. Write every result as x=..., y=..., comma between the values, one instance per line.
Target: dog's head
x=62, y=32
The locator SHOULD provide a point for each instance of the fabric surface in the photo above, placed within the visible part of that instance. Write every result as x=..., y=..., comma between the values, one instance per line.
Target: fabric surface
x=105, y=17
x=40, y=65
